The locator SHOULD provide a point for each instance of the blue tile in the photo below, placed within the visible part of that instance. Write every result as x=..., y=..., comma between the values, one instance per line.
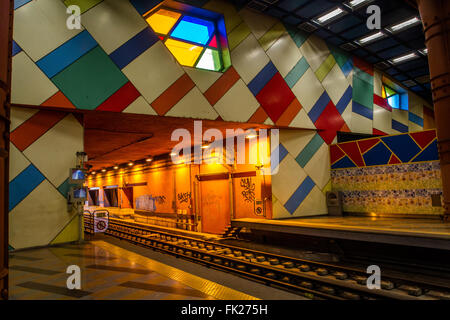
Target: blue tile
x=404, y=147
x=64, y=188
x=345, y=100
x=347, y=67
x=430, y=153
x=399, y=126
x=282, y=153
x=362, y=110
x=15, y=48
x=66, y=54
x=22, y=185
x=297, y=72
x=309, y=150
x=131, y=49
x=262, y=78
x=19, y=3
x=143, y=6
x=345, y=162
x=378, y=155
x=299, y=195
x=318, y=107
x=416, y=119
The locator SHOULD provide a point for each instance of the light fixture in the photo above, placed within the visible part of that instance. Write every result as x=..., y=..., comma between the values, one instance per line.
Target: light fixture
x=116, y=167
x=205, y=146
x=327, y=17
x=404, y=25
x=372, y=37
x=173, y=153
x=130, y=164
x=424, y=51
x=149, y=159
x=93, y=172
x=103, y=170
x=251, y=136
x=403, y=58
x=357, y=3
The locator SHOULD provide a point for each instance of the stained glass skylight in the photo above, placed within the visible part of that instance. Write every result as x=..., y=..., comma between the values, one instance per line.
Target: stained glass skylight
x=195, y=41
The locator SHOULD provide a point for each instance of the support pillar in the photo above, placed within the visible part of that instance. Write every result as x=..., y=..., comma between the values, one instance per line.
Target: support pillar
x=435, y=16
x=6, y=17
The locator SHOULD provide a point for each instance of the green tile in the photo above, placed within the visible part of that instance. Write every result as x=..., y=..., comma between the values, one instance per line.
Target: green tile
x=308, y=152
x=269, y=38
x=237, y=35
x=325, y=67
x=340, y=56
x=298, y=36
x=362, y=75
x=363, y=92
x=90, y=80
x=297, y=72
x=84, y=5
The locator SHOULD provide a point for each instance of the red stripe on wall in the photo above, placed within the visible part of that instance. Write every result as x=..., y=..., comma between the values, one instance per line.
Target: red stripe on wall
x=173, y=94
x=379, y=101
x=121, y=99
x=32, y=129
x=364, y=66
x=221, y=86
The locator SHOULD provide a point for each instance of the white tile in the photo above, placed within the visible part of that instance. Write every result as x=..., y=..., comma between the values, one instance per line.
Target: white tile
x=29, y=84
x=38, y=219
x=295, y=140
x=232, y=19
x=413, y=127
x=350, y=78
x=238, y=104
x=55, y=151
x=401, y=116
x=140, y=106
x=315, y=51
x=288, y=178
x=314, y=204
x=20, y=115
x=193, y=105
x=360, y=124
x=258, y=23
x=40, y=27
x=17, y=162
x=284, y=54
x=202, y=78
x=415, y=105
x=308, y=90
x=382, y=119
x=347, y=114
x=249, y=58
x=153, y=71
x=335, y=83
x=318, y=168
x=377, y=83
x=269, y=122
x=278, y=210
x=112, y=23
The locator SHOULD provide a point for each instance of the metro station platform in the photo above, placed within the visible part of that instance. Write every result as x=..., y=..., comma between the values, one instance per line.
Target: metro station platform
x=108, y=272
x=426, y=233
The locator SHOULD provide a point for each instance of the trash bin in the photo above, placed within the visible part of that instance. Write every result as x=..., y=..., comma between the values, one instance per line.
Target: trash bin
x=334, y=203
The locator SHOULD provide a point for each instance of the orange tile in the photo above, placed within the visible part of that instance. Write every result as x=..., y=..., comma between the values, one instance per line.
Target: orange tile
x=259, y=116
x=58, y=100
x=221, y=86
x=173, y=94
x=290, y=113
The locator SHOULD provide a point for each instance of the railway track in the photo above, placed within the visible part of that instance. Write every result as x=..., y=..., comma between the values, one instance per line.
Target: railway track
x=313, y=280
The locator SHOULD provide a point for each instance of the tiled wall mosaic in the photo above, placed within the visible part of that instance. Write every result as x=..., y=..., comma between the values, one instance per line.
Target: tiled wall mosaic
x=399, y=176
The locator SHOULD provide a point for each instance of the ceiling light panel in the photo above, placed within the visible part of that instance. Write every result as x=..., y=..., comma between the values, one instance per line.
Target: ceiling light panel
x=330, y=16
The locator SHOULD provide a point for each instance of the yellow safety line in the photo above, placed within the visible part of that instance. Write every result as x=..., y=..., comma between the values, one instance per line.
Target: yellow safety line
x=208, y=287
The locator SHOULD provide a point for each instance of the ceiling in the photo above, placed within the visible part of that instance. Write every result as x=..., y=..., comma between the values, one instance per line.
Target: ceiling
x=346, y=29
x=116, y=138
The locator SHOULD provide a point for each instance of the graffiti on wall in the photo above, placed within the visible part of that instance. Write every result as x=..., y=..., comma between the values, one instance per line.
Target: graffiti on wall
x=183, y=196
x=249, y=189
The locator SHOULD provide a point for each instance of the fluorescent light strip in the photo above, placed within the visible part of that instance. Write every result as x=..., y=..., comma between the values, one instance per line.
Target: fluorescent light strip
x=355, y=3
x=371, y=37
x=330, y=15
x=404, y=24
x=404, y=58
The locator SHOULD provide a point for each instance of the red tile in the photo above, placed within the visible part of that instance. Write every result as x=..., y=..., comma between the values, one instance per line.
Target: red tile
x=423, y=138
x=331, y=121
x=352, y=150
x=221, y=86
x=365, y=145
x=121, y=99
x=173, y=94
x=379, y=101
x=378, y=132
x=345, y=128
x=363, y=65
x=275, y=97
x=290, y=113
x=32, y=129
x=394, y=159
x=335, y=153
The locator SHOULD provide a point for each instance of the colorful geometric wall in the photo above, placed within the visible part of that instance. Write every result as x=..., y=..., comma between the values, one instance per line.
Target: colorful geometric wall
x=279, y=75
x=392, y=174
x=43, y=148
